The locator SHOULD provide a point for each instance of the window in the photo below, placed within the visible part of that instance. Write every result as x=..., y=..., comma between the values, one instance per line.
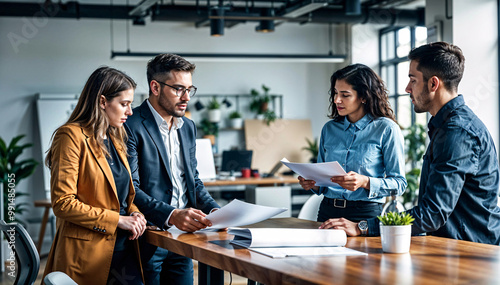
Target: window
x=395, y=45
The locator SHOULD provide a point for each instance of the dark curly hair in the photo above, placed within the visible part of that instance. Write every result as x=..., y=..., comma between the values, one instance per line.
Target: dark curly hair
x=369, y=87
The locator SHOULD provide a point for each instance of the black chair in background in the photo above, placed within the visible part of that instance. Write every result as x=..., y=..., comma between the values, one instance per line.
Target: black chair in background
x=27, y=260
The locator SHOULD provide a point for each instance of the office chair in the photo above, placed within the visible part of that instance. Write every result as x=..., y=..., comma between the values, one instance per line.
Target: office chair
x=310, y=208
x=27, y=258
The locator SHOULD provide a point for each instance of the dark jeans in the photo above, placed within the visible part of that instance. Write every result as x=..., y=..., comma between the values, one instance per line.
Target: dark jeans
x=354, y=210
x=164, y=267
x=124, y=268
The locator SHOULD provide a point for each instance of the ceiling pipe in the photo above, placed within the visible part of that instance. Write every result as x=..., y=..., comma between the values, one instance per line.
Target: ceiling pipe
x=177, y=13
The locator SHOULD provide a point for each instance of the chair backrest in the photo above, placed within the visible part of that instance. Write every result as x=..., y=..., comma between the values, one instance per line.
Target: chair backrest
x=26, y=255
x=310, y=208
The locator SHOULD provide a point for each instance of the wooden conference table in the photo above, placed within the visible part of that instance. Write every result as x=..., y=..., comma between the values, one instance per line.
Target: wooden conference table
x=432, y=260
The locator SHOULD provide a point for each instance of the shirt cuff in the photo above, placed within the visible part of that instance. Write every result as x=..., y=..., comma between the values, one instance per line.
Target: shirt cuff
x=167, y=224
x=374, y=187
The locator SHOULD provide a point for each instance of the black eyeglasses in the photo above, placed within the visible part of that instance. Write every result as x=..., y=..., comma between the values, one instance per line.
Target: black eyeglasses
x=180, y=91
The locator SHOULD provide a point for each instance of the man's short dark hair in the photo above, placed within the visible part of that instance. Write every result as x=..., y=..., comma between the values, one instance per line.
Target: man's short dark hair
x=159, y=68
x=441, y=59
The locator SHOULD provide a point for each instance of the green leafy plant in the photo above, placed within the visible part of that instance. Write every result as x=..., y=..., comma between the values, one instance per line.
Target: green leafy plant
x=415, y=143
x=12, y=171
x=213, y=104
x=396, y=219
x=260, y=104
x=313, y=148
x=235, y=115
x=209, y=128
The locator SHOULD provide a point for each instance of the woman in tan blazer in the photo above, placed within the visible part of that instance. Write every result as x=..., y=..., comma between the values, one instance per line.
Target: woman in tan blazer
x=91, y=188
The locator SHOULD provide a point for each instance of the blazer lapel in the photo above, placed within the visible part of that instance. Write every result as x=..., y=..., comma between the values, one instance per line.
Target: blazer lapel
x=101, y=160
x=151, y=127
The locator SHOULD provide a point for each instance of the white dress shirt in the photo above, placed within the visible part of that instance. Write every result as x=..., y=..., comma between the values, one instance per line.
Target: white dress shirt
x=173, y=147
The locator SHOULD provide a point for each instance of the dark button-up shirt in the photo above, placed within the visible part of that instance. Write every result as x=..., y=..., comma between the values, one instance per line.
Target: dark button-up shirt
x=459, y=180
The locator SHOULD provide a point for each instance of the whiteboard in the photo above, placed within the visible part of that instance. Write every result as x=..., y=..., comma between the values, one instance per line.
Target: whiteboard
x=53, y=111
x=205, y=158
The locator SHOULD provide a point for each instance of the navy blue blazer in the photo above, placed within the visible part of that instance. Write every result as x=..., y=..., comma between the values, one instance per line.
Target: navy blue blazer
x=149, y=164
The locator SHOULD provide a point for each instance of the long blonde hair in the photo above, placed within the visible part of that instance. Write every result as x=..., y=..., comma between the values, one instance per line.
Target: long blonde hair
x=108, y=82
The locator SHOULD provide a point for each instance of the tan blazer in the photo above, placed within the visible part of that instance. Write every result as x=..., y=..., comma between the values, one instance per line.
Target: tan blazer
x=85, y=202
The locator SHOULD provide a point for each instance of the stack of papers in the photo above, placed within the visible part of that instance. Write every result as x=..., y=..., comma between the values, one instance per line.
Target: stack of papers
x=283, y=242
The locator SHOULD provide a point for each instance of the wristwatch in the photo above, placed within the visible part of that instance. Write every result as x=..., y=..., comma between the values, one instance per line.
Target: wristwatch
x=363, y=227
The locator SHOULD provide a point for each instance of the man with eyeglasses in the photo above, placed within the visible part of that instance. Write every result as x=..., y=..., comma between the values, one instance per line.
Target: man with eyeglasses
x=162, y=147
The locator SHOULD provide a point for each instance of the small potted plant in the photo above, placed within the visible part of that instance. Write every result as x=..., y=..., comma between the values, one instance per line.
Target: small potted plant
x=210, y=130
x=260, y=105
x=395, y=232
x=214, y=112
x=235, y=120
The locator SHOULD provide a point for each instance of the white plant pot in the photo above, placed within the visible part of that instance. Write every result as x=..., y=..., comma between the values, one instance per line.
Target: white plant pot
x=214, y=115
x=260, y=117
x=236, y=123
x=395, y=239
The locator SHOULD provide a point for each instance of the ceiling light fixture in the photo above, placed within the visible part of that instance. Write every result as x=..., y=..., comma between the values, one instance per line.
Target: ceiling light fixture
x=233, y=57
x=266, y=26
x=217, y=25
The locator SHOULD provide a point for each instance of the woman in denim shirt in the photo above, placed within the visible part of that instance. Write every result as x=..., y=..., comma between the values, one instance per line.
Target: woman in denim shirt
x=365, y=139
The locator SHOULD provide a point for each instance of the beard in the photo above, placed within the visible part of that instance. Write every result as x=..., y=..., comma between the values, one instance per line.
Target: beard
x=423, y=103
x=169, y=107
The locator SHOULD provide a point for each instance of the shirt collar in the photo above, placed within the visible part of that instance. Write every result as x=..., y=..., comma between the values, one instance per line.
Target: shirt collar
x=177, y=122
x=441, y=116
x=360, y=124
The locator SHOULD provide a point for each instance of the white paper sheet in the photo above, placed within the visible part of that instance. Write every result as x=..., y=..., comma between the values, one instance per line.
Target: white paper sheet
x=281, y=252
x=319, y=172
x=238, y=213
x=287, y=237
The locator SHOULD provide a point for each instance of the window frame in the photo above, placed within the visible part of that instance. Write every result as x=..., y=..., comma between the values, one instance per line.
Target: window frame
x=393, y=62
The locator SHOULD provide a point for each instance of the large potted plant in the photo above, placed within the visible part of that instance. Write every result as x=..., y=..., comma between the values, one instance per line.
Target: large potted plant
x=415, y=148
x=395, y=232
x=260, y=105
x=13, y=170
x=313, y=148
x=214, y=112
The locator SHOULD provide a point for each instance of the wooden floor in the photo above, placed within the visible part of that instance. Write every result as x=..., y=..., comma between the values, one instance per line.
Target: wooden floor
x=236, y=280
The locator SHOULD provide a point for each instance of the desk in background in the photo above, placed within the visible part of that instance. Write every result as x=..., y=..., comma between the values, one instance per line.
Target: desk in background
x=432, y=260
x=268, y=191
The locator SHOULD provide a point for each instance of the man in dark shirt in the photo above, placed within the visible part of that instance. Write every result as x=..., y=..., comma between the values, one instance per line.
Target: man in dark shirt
x=460, y=176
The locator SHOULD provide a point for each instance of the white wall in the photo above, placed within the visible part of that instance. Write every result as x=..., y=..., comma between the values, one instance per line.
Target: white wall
x=41, y=55
x=478, y=39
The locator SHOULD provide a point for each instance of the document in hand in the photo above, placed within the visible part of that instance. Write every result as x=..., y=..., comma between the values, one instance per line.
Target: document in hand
x=319, y=172
x=282, y=242
x=238, y=213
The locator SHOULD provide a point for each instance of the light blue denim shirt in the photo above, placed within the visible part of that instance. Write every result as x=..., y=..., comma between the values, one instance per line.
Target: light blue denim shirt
x=371, y=147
